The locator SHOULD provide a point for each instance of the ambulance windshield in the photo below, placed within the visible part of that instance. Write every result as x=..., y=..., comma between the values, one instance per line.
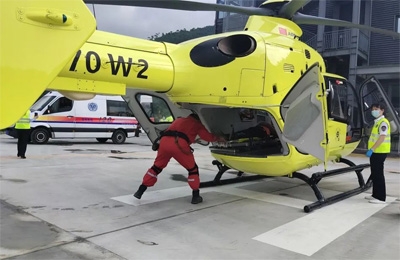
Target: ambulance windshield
x=42, y=103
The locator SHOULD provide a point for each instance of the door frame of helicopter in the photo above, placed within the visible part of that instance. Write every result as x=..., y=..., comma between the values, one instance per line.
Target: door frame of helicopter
x=355, y=117
x=344, y=115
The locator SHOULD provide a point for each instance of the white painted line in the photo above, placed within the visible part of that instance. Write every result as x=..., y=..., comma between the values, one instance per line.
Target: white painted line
x=156, y=196
x=307, y=235
x=172, y=193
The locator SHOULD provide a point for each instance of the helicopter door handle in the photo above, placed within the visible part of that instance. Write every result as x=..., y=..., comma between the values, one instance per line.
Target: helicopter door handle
x=70, y=116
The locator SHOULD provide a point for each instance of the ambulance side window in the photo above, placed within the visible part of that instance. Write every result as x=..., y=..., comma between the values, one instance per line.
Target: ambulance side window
x=118, y=108
x=63, y=104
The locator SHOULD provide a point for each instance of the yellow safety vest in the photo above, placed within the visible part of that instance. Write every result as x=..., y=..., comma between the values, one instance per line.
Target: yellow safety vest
x=385, y=146
x=24, y=122
x=167, y=119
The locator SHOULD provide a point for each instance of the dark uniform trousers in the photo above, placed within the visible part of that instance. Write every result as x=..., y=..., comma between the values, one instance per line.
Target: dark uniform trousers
x=23, y=139
x=377, y=175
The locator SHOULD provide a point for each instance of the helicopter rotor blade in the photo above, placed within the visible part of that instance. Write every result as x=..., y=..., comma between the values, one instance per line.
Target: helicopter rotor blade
x=290, y=8
x=186, y=6
x=308, y=19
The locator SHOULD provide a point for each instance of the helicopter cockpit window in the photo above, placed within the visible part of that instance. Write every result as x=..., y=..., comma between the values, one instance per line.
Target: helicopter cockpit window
x=155, y=108
x=372, y=92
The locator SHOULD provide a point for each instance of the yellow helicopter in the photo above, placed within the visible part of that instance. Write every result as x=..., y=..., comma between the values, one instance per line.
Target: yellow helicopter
x=236, y=82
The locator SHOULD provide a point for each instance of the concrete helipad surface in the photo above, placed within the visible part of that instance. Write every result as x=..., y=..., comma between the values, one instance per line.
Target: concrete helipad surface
x=73, y=199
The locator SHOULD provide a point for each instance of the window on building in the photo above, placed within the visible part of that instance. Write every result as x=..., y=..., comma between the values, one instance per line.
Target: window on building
x=397, y=21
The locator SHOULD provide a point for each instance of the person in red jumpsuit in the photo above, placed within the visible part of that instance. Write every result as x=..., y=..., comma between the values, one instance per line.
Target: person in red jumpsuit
x=175, y=143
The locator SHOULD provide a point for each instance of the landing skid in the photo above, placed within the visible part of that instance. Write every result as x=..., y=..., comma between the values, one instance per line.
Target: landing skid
x=311, y=181
x=221, y=170
x=316, y=177
x=217, y=179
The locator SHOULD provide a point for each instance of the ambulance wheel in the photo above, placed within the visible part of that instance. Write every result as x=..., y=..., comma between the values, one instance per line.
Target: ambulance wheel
x=40, y=135
x=102, y=140
x=118, y=137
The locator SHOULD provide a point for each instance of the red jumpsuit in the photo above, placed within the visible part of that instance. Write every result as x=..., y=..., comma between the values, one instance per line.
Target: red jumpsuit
x=179, y=149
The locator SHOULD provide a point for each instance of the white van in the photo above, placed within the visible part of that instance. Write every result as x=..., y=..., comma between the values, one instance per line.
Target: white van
x=103, y=118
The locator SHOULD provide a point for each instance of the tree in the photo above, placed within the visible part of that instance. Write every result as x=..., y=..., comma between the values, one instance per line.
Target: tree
x=183, y=35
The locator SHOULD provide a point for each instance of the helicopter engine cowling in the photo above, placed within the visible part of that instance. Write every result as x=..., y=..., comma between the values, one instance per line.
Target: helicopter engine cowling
x=223, y=50
x=238, y=45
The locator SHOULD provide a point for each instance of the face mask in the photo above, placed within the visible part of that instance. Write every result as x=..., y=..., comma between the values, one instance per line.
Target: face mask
x=375, y=113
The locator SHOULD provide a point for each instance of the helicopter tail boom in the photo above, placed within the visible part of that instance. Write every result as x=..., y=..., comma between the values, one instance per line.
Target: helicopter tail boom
x=116, y=59
x=33, y=49
x=66, y=53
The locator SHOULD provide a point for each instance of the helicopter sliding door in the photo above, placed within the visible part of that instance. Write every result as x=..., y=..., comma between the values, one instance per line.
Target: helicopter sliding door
x=303, y=110
x=371, y=92
x=154, y=111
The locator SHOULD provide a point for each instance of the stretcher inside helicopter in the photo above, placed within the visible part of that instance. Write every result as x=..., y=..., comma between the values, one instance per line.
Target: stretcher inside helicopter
x=251, y=132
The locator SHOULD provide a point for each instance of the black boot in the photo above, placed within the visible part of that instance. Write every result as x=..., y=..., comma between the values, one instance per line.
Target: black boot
x=140, y=192
x=196, y=199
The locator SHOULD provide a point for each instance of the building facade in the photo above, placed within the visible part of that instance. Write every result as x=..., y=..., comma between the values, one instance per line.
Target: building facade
x=352, y=53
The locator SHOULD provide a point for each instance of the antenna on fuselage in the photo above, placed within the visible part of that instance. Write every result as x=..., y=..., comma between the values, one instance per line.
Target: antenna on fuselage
x=94, y=14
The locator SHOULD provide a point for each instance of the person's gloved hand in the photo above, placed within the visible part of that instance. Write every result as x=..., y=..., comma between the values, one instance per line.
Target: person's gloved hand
x=369, y=153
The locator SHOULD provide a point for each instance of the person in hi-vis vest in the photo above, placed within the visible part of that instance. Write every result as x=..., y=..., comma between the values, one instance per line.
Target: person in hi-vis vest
x=23, y=127
x=378, y=149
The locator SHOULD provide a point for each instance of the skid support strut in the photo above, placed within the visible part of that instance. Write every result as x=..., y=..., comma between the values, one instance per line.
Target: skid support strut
x=316, y=177
x=221, y=170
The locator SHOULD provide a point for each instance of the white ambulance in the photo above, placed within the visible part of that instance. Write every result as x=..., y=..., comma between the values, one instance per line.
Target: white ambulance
x=103, y=118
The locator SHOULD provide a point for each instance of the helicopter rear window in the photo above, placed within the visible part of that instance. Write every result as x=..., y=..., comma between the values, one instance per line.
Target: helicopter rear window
x=156, y=109
x=338, y=99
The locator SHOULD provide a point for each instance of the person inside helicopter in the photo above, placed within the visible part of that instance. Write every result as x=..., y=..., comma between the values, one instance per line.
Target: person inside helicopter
x=261, y=130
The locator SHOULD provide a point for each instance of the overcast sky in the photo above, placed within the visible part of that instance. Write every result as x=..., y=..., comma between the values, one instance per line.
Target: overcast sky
x=144, y=22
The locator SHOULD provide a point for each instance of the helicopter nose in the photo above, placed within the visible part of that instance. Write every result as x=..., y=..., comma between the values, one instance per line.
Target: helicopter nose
x=222, y=50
